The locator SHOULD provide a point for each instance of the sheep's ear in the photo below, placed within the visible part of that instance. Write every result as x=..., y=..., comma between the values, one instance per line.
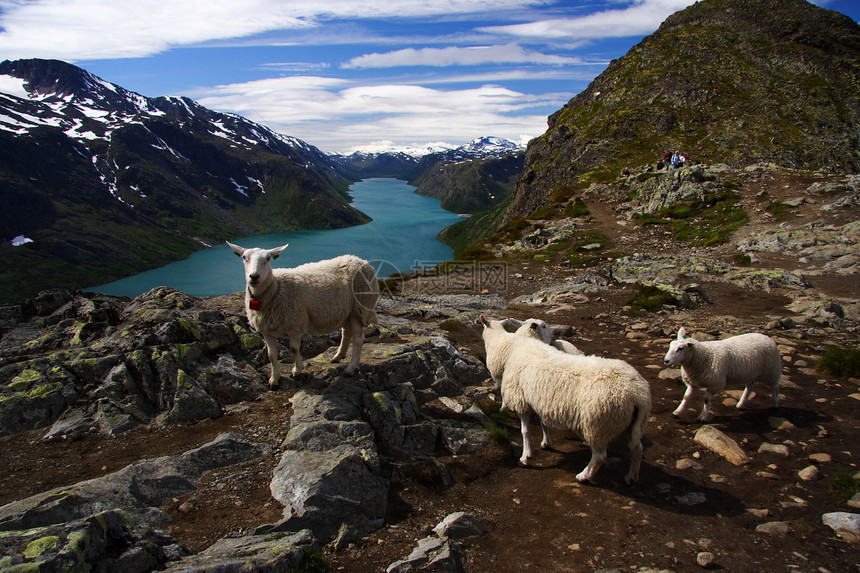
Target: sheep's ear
x=484, y=321
x=239, y=251
x=682, y=333
x=533, y=326
x=506, y=324
x=276, y=252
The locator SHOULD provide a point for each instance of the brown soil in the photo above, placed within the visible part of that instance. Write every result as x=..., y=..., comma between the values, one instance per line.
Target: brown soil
x=539, y=518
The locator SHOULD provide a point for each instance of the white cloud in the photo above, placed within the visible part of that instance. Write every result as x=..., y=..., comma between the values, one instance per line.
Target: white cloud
x=96, y=29
x=640, y=18
x=457, y=56
x=335, y=115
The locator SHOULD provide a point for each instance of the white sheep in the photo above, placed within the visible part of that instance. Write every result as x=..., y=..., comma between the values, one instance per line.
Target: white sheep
x=598, y=398
x=537, y=328
x=712, y=364
x=314, y=298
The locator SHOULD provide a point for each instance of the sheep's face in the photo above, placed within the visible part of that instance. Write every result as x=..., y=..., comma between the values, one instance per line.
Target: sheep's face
x=677, y=351
x=537, y=328
x=678, y=348
x=257, y=262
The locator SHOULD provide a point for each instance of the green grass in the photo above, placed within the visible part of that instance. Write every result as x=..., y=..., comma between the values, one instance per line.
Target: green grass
x=845, y=484
x=842, y=362
x=649, y=297
x=779, y=210
x=701, y=223
x=576, y=208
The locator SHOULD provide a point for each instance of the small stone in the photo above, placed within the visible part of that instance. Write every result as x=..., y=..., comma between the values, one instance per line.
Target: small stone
x=774, y=528
x=855, y=501
x=186, y=507
x=692, y=498
x=719, y=443
x=687, y=464
x=767, y=448
x=705, y=559
x=759, y=513
x=846, y=525
x=777, y=423
x=821, y=458
x=809, y=473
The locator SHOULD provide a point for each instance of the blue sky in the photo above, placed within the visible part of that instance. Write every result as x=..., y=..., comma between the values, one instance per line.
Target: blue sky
x=350, y=74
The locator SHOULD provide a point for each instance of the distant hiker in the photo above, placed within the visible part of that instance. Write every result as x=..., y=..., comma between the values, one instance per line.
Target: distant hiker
x=676, y=160
x=625, y=172
x=667, y=160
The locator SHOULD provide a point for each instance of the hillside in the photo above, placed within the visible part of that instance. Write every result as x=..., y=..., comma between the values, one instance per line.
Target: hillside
x=725, y=81
x=91, y=171
x=472, y=185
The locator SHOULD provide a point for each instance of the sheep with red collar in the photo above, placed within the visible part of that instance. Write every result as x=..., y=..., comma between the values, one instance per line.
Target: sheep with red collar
x=597, y=398
x=738, y=360
x=314, y=298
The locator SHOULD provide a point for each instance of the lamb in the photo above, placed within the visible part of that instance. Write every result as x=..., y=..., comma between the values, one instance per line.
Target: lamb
x=539, y=329
x=314, y=298
x=598, y=398
x=740, y=359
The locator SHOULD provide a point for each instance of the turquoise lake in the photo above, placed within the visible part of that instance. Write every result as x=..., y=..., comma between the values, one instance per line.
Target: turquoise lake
x=401, y=238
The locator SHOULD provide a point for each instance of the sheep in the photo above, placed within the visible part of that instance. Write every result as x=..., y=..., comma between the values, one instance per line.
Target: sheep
x=598, y=398
x=314, y=298
x=539, y=329
x=737, y=360
x=536, y=328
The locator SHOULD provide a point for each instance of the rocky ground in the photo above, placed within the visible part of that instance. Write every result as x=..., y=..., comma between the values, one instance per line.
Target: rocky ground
x=691, y=507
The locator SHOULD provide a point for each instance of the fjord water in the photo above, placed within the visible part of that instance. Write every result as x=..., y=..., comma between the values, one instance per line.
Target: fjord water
x=401, y=238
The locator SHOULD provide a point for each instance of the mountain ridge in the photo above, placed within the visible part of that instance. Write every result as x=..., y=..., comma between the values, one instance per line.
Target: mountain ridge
x=91, y=171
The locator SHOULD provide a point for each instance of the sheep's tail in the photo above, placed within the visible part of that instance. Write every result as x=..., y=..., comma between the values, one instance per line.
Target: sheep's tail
x=640, y=419
x=637, y=431
x=365, y=288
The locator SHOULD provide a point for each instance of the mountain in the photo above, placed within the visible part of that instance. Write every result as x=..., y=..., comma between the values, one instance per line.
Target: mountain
x=725, y=81
x=466, y=179
x=471, y=185
x=105, y=182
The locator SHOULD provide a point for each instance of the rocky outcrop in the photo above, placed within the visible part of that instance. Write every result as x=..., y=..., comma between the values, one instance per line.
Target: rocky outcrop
x=110, y=522
x=166, y=358
x=86, y=362
x=727, y=82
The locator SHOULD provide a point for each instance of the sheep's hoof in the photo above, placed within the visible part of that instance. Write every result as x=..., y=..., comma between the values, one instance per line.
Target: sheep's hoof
x=676, y=416
x=274, y=383
x=524, y=462
x=582, y=477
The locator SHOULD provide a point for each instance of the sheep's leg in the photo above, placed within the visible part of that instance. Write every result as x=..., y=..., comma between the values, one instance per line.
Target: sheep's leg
x=357, y=343
x=345, y=335
x=272, y=348
x=635, y=461
x=546, y=442
x=774, y=392
x=705, y=415
x=527, y=447
x=744, y=397
x=597, y=459
x=295, y=348
x=684, y=402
